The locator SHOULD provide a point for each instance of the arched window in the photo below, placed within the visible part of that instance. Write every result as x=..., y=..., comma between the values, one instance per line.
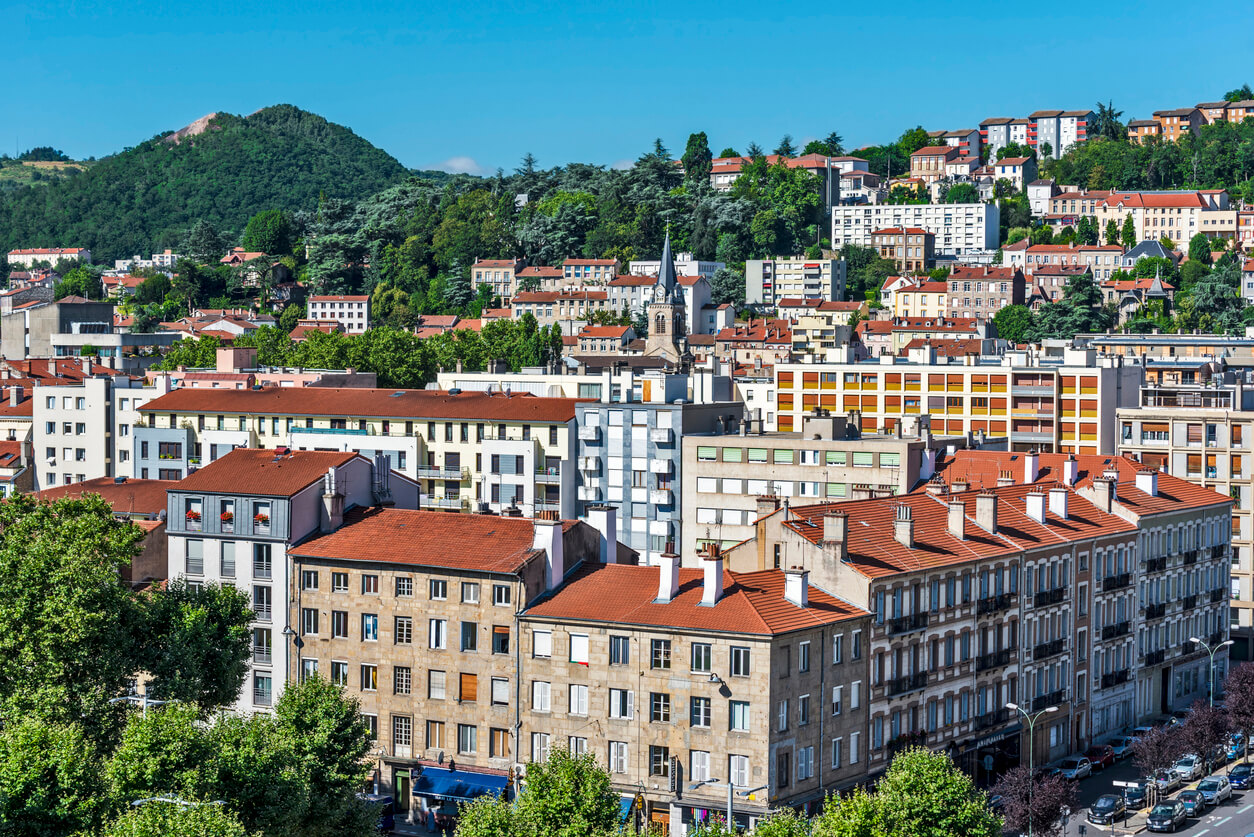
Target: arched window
x=660, y=325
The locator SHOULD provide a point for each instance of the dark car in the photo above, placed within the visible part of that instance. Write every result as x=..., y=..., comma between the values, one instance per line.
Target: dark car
x=386, y=806
x=1241, y=776
x=1101, y=755
x=1167, y=816
x=1136, y=796
x=1194, y=802
x=1107, y=809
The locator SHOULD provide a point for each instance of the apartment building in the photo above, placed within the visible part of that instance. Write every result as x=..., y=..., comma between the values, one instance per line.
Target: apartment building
x=686, y=264
x=1020, y=171
x=891, y=337
x=569, y=308
x=540, y=278
x=1177, y=215
x=1065, y=404
x=605, y=339
x=912, y=248
x=630, y=455
x=959, y=228
x=769, y=280
x=928, y=163
x=1103, y=259
x=1000, y=131
x=441, y=685
x=465, y=448
x=235, y=521
x=1174, y=124
x=499, y=274
x=30, y=257
x=966, y=140
x=1059, y=129
x=980, y=292
x=589, y=271
x=351, y=312
x=724, y=171
x=687, y=681
x=1067, y=208
x=763, y=341
x=1238, y=112
x=1139, y=130
x=926, y=299
x=730, y=480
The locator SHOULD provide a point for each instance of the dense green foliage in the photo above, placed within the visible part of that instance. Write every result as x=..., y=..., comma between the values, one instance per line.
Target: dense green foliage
x=147, y=197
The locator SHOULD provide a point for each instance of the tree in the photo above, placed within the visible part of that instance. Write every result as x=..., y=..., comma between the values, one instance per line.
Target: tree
x=1238, y=692
x=1106, y=122
x=566, y=796
x=203, y=243
x=783, y=822
x=697, y=159
x=1199, y=249
x=1240, y=94
x=1157, y=749
x=153, y=290
x=1112, y=232
x=79, y=282
x=728, y=152
x=1014, y=323
x=270, y=232
x=1206, y=728
x=962, y=193
x=292, y=315
x=1127, y=235
x=49, y=780
x=1036, y=799
x=753, y=151
x=727, y=286
x=1043, y=234
x=165, y=819
x=786, y=147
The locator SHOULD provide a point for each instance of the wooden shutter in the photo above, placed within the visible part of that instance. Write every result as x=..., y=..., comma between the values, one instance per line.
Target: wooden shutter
x=469, y=687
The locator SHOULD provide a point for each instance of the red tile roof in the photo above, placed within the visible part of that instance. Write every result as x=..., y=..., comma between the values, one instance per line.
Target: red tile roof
x=496, y=263
x=967, y=272
x=901, y=231
x=540, y=270
x=49, y=251
x=1143, y=199
x=936, y=151
x=567, y=294
x=752, y=603
x=603, y=331
x=263, y=472
x=1012, y=161
x=11, y=454
x=632, y=281
x=417, y=404
x=948, y=348
x=134, y=496
x=757, y=331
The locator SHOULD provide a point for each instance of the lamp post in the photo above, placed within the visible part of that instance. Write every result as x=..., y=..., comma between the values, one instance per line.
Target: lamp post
x=142, y=700
x=731, y=792
x=1031, y=719
x=1211, y=652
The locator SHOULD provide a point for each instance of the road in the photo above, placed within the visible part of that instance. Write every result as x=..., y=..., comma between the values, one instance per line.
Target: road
x=1234, y=818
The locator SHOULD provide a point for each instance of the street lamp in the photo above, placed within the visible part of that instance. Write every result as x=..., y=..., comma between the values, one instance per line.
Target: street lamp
x=1212, y=652
x=731, y=790
x=141, y=700
x=1031, y=719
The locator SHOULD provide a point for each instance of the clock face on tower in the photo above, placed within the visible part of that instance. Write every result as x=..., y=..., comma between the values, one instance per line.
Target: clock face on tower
x=659, y=293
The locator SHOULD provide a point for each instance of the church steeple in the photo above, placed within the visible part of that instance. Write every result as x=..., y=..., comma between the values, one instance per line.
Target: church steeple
x=666, y=310
x=667, y=282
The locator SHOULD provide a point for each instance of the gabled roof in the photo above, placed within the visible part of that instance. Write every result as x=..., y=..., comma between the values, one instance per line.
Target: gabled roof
x=539, y=270
x=632, y=281
x=132, y=496
x=752, y=603
x=604, y=331
x=266, y=473
x=1012, y=161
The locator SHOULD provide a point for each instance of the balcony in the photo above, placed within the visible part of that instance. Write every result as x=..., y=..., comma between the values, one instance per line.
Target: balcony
x=1156, y=565
x=1116, y=582
x=442, y=502
x=1114, y=678
x=333, y=431
x=1049, y=597
x=262, y=655
x=996, y=659
x=906, y=624
x=1116, y=630
x=589, y=493
x=661, y=435
x=1218, y=594
x=909, y=683
x=1154, y=658
x=1188, y=647
x=991, y=719
x=432, y=473
x=549, y=476
x=1188, y=557
x=590, y=464
x=590, y=434
x=1188, y=603
x=261, y=697
x=262, y=612
x=1044, y=650
x=994, y=604
x=660, y=496
x=661, y=466
x=1051, y=699
x=1156, y=611
x=1219, y=550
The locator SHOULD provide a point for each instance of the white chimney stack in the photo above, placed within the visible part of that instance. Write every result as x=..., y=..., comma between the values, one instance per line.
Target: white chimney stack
x=712, y=591
x=1036, y=506
x=1031, y=467
x=1147, y=481
x=958, y=519
x=605, y=520
x=1058, y=502
x=548, y=536
x=903, y=526
x=668, y=578
x=1070, y=471
x=986, y=512
x=797, y=587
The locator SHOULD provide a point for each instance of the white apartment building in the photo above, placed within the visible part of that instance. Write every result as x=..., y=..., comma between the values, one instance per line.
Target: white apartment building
x=51, y=255
x=351, y=312
x=685, y=265
x=959, y=228
x=767, y=281
x=634, y=292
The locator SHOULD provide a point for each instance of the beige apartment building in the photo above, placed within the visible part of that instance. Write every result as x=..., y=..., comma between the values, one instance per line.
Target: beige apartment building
x=912, y=248
x=499, y=274
x=928, y=164
x=568, y=307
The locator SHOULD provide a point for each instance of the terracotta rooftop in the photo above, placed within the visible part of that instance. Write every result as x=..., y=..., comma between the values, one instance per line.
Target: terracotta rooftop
x=266, y=473
x=603, y=331
x=752, y=603
x=567, y=294
x=133, y=496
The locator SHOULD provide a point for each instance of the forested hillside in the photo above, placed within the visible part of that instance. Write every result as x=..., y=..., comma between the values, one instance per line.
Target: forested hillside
x=146, y=198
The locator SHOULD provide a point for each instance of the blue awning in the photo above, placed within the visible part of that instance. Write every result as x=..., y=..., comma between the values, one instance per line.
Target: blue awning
x=457, y=785
x=624, y=807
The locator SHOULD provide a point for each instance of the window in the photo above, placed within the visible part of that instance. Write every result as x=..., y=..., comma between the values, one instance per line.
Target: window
x=369, y=627
x=660, y=707
x=402, y=731
x=437, y=682
x=803, y=657
x=659, y=761
x=739, y=716
x=498, y=744
x=660, y=653
x=404, y=630
x=402, y=679
x=857, y=645
x=437, y=633
x=618, y=757
x=701, y=655
x=339, y=582
x=540, y=693
x=470, y=592
x=579, y=648
x=261, y=560
x=339, y=624
x=738, y=768
x=805, y=763
x=369, y=677
x=468, y=688
x=803, y=710
x=620, y=651
x=699, y=712
x=467, y=739
x=309, y=579
x=838, y=649
x=783, y=767
x=578, y=700
x=854, y=738
x=539, y=747
x=838, y=695
x=501, y=595
x=739, y=661
x=308, y=669
x=783, y=715
x=542, y=644
x=195, y=557
x=622, y=703
x=500, y=639
x=470, y=636
x=404, y=585
x=339, y=673
x=309, y=620
x=370, y=584
x=836, y=742
x=698, y=765
x=439, y=589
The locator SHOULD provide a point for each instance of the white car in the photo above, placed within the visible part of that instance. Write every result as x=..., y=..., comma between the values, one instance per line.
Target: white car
x=1076, y=767
x=1189, y=768
x=1122, y=745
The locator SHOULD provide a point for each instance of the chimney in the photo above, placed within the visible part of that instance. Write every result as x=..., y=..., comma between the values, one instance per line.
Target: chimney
x=797, y=587
x=605, y=520
x=332, y=503
x=15, y=395
x=548, y=536
x=959, y=485
x=957, y=519
x=903, y=526
x=1104, y=489
x=668, y=577
x=766, y=504
x=712, y=590
x=1036, y=505
x=1031, y=467
x=1147, y=481
x=1070, y=471
x=836, y=531
x=986, y=512
x=1005, y=478
x=1058, y=502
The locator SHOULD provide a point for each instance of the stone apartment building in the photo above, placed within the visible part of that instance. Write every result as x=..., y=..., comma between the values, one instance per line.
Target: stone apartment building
x=676, y=678
x=980, y=292
x=589, y=271
x=500, y=274
x=928, y=164
x=1103, y=260
x=235, y=521
x=913, y=249
x=568, y=307
x=50, y=255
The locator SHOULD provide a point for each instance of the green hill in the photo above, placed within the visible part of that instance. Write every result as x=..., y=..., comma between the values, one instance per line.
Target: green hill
x=223, y=168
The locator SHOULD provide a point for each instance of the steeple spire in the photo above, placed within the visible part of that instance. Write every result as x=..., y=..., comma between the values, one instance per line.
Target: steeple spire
x=666, y=278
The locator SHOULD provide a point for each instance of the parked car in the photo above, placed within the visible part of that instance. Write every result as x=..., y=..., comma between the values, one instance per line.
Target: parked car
x=996, y=803
x=1107, y=809
x=386, y=806
x=1100, y=756
x=1122, y=746
x=1216, y=789
x=1241, y=776
x=1167, y=816
x=1236, y=746
x=1167, y=781
x=1076, y=767
x=1189, y=767
x=1136, y=796
x=1194, y=802
x=1141, y=732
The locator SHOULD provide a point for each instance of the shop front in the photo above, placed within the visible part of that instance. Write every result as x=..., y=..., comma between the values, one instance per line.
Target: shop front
x=427, y=794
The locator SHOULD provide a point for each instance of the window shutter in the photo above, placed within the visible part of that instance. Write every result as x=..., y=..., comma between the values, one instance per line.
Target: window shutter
x=631, y=704
x=469, y=687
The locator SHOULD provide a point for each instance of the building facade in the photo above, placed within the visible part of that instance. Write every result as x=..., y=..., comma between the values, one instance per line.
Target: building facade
x=958, y=227
x=769, y=280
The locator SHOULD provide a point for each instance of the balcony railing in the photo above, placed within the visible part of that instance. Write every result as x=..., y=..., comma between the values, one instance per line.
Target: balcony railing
x=1156, y=565
x=263, y=612
x=1049, y=597
x=1219, y=550
x=1116, y=630
x=1156, y=611
x=1215, y=638
x=549, y=476
x=1188, y=557
x=589, y=434
x=1154, y=658
x=1051, y=699
x=261, y=697
x=991, y=719
x=338, y=431
x=1116, y=582
x=661, y=435
x=909, y=683
x=1218, y=594
x=1114, y=678
x=443, y=502
x=1188, y=603
x=430, y=472
x=262, y=655
x=994, y=604
x=906, y=624
x=1048, y=649
x=995, y=659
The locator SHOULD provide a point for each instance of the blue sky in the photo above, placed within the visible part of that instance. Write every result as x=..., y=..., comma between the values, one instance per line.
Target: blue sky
x=473, y=86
